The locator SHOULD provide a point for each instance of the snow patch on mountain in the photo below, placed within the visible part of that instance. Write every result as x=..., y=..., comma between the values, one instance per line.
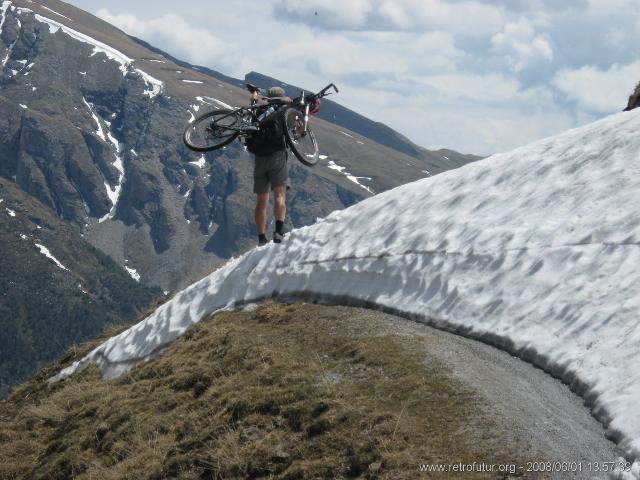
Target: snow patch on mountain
x=99, y=131
x=3, y=11
x=45, y=251
x=155, y=86
x=98, y=47
x=334, y=166
x=134, y=273
x=200, y=163
x=113, y=192
x=220, y=102
x=5, y=7
x=56, y=13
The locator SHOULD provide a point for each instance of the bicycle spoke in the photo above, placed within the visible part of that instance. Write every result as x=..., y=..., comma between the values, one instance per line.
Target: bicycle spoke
x=212, y=130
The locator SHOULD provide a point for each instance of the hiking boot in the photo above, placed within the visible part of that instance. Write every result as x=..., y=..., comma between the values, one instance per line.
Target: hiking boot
x=262, y=240
x=278, y=235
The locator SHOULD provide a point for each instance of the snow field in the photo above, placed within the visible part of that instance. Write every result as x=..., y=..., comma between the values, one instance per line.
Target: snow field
x=535, y=250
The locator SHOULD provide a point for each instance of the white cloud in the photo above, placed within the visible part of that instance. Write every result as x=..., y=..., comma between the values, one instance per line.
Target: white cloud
x=330, y=55
x=465, y=17
x=462, y=87
x=435, y=118
x=607, y=7
x=396, y=57
x=602, y=91
x=338, y=14
x=521, y=46
x=396, y=15
x=196, y=45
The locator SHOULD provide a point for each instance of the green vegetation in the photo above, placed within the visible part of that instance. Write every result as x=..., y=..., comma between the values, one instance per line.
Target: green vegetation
x=44, y=309
x=298, y=391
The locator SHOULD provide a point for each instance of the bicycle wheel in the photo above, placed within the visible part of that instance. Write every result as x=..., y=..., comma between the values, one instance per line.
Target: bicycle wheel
x=303, y=143
x=212, y=130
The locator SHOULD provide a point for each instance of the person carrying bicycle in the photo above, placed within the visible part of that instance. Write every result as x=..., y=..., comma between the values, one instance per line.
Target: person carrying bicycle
x=270, y=169
x=268, y=128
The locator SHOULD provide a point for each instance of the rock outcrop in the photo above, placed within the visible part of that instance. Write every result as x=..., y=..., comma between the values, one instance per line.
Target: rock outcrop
x=634, y=99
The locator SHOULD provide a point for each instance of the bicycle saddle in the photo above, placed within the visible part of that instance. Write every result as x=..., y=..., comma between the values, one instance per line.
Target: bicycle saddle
x=252, y=88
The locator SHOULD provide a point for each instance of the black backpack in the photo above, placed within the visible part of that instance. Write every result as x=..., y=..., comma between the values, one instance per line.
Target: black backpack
x=268, y=140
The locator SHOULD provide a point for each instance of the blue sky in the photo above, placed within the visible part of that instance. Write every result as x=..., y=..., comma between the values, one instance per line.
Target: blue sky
x=478, y=76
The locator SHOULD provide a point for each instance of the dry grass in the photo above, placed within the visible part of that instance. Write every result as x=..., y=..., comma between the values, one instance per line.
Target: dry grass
x=289, y=392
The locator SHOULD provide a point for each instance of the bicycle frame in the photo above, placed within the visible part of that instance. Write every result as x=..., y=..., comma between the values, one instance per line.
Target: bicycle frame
x=249, y=123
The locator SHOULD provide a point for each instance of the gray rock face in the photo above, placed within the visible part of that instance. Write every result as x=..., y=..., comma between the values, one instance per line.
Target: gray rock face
x=88, y=131
x=634, y=99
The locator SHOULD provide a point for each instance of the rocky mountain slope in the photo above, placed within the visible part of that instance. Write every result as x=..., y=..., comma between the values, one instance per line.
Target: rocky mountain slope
x=90, y=124
x=634, y=99
x=55, y=288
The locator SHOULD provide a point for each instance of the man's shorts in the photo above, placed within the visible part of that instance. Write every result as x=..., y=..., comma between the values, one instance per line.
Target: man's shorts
x=270, y=172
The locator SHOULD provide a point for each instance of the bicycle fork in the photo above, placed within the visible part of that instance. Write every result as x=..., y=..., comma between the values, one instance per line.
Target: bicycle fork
x=306, y=113
x=306, y=117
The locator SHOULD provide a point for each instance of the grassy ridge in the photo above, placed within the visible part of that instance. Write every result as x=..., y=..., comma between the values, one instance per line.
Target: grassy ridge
x=297, y=391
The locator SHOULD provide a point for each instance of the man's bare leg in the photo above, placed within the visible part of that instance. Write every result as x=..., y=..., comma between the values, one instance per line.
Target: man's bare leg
x=279, y=211
x=280, y=203
x=262, y=202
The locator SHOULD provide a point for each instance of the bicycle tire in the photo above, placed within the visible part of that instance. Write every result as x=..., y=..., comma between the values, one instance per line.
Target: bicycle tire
x=302, y=142
x=208, y=133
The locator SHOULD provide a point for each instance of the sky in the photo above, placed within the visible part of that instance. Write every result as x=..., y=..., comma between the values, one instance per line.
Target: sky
x=477, y=76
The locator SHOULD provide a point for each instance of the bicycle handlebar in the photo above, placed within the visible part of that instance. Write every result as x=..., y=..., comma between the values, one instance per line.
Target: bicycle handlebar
x=331, y=85
x=322, y=93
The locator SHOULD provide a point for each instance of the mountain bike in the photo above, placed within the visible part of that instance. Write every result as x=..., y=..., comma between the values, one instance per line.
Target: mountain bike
x=218, y=128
